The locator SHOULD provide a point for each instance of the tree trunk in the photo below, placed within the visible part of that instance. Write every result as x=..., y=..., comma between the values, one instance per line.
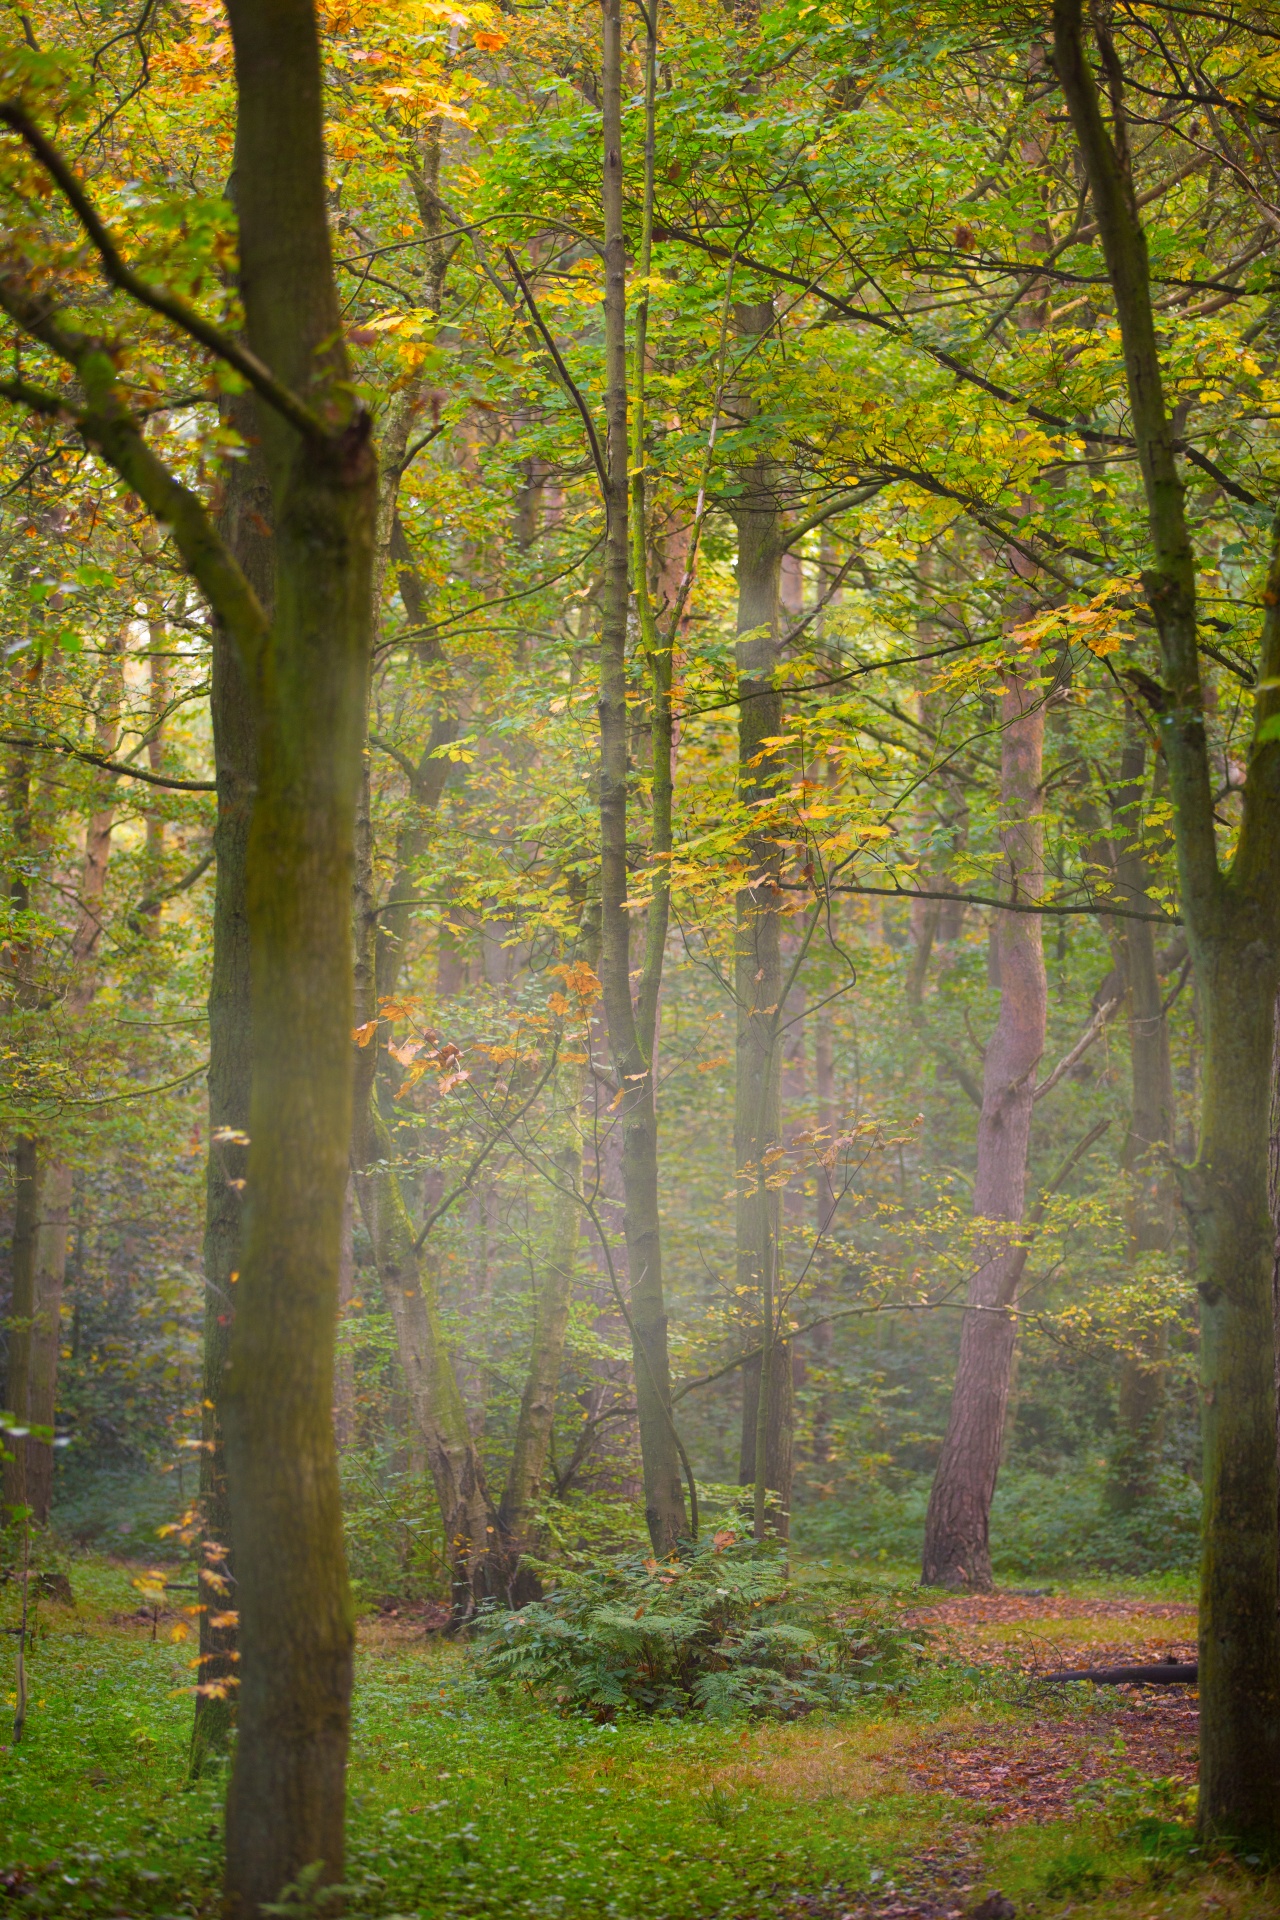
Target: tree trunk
x=1232, y=920
x=1145, y=1156
x=56, y=1177
x=22, y=1308
x=439, y=1412
x=630, y=1040
x=245, y=526
x=779, y=1428
x=757, y=1123
x=531, y=1447
x=285, y=1807
x=956, y=1545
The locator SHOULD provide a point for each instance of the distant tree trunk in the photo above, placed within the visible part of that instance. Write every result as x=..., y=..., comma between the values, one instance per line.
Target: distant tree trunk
x=22, y=1308
x=779, y=1429
x=631, y=1036
x=1145, y=1156
x=245, y=526
x=53, y=1213
x=531, y=1447
x=407, y=1274
x=956, y=1547
x=758, y=975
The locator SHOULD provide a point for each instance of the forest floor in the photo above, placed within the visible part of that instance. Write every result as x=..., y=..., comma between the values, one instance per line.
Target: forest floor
x=969, y=1780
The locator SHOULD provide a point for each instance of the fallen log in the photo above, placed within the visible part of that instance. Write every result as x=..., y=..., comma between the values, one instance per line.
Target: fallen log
x=1164, y=1673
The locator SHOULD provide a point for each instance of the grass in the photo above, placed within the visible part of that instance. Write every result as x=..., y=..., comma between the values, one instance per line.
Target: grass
x=463, y=1806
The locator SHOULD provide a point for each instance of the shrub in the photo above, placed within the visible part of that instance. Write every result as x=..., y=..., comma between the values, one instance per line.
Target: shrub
x=720, y=1631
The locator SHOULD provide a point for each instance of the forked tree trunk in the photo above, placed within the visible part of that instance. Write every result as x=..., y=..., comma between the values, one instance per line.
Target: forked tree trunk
x=631, y=1037
x=957, y=1550
x=1232, y=919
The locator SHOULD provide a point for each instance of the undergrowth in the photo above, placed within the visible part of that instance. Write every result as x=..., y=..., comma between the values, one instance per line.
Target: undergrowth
x=721, y=1630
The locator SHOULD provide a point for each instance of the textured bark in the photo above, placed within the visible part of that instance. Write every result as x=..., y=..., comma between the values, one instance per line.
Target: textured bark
x=631, y=1038
x=956, y=1546
x=245, y=526
x=1232, y=920
x=286, y=1803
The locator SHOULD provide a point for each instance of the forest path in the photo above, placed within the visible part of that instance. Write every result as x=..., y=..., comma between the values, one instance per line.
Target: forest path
x=1050, y=1767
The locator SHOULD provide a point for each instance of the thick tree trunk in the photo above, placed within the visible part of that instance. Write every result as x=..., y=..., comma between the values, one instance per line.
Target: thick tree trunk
x=630, y=1040
x=245, y=526
x=286, y=1802
x=1233, y=931
x=956, y=1545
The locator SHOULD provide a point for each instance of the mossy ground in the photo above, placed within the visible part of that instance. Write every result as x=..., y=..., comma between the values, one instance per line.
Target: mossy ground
x=463, y=1804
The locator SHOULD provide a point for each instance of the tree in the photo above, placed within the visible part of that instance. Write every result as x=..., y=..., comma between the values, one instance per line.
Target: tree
x=1232, y=916
x=307, y=668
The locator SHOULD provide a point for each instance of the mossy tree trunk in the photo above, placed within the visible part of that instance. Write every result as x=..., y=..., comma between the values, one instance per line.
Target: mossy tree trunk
x=245, y=526
x=1232, y=918
x=286, y=1802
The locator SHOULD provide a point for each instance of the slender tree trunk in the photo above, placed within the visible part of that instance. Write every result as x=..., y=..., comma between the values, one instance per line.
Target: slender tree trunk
x=1232, y=920
x=956, y=1545
x=408, y=1276
x=286, y=1802
x=630, y=1039
x=531, y=1447
x=56, y=1176
x=1145, y=1156
x=757, y=1124
x=22, y=1308
x=245, y=526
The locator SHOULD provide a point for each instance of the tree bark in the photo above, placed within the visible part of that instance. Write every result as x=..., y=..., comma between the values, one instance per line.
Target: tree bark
x=957, y=1549
x=1232, y=920
x=285, y=1807
x=245, y=526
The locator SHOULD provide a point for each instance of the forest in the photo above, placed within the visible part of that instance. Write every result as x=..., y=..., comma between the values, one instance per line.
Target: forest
x=639, y=959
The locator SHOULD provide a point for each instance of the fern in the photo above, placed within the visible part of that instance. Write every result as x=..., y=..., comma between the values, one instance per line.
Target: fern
x=719, y=1631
